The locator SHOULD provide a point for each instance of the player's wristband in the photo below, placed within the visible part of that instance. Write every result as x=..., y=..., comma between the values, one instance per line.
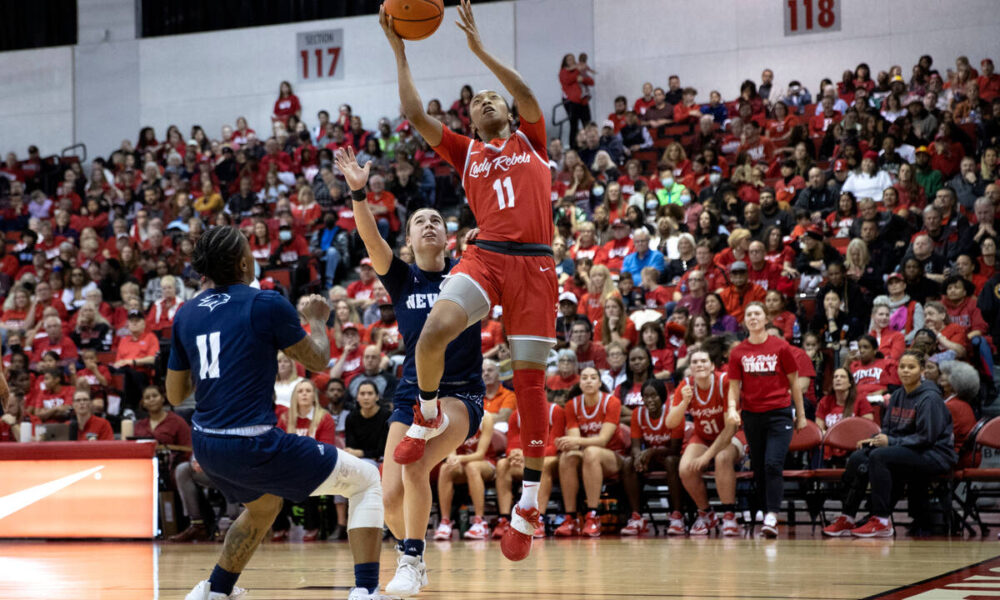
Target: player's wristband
x=358, y=195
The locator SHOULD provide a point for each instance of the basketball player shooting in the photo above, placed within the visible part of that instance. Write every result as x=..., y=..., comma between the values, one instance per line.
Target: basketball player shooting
x=505, y=173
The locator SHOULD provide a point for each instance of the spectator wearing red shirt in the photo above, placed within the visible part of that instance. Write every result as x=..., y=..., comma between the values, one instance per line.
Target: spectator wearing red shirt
x=360, y=291
x=989, y=82
x=54, y=341
x=348, y=363
x=774, y=304
x=741, y=291
x=946, y=153
x=687, y=111
x=588, y=352
x=566, y=375
x=576, y=96
x=761, y=272
x=618, y=117
x=824, y=118
x=135, y=358
x=763, y=371
x=88, y=426
x=383, y=206
x=872, y=372
x=44, y=298
x=97, y=377
x=357, y=136
x=160, y=316
x=613, y=253
x=759, y=149
x=52, y=402
x=275, y=155
x=959, y=383
x=262, y=247
x=491, y=336
x=287, y=104
x=645, y=101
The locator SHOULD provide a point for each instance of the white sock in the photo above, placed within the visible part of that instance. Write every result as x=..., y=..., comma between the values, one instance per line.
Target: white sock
x=883, y=520
x=849, y=519
x=429, y=409
x=529, y=495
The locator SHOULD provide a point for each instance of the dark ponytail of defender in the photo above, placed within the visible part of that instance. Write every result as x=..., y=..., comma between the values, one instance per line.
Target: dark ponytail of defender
x=217, y=254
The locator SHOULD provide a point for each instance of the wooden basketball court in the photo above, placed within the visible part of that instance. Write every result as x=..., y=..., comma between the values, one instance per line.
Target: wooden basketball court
x=807, y=567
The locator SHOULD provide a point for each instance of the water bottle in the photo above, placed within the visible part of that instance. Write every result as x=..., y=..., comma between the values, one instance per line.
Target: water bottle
x=463, y=520
x=796, y=334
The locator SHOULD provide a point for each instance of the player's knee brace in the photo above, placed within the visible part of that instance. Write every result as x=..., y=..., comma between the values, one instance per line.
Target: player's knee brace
x=467, y=293
x=359, y=482
x=529, y=385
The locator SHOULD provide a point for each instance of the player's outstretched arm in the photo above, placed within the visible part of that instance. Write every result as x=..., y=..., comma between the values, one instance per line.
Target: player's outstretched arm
x=313, y=351
x=413, y=107
x=357, y=177
x=527, y=104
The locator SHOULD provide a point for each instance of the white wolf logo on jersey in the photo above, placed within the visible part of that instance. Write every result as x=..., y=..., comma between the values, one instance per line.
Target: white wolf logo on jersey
x=213, y=300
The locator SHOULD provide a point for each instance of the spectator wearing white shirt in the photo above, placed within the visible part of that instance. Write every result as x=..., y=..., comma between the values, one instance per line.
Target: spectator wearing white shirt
x=868, y=181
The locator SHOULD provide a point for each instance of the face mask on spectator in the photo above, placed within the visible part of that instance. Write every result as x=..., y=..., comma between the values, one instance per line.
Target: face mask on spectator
x=667, y=182
x=452, y=226
x=652, y=205
x=285, y=235
x=598, y=191
x=685, y=200
x=714, y=178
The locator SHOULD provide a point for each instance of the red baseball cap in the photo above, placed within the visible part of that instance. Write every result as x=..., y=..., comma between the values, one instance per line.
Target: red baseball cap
x=840, y=165
x=366, y=262
x=870, y=154
x=349, y=325
x=814, y=231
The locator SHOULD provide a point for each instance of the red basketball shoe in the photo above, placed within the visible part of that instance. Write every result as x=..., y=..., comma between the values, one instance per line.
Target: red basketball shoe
x=516, y=541
x=411, y=448
x=592, y=526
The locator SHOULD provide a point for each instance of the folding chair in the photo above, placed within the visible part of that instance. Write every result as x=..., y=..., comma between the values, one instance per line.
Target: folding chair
x=844, y=435
x=988, y=437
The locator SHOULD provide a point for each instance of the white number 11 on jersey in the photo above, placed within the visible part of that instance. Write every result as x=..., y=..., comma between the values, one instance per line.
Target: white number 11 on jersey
x=506, y=185
x=208, y=355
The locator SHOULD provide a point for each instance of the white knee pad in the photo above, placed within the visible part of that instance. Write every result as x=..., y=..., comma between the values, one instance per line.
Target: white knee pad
x=467, y=293
x=359, y=482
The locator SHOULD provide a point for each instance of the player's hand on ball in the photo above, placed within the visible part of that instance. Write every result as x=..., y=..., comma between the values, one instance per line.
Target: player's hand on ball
x=316, y=308
x=467, y=23
x=355, y=175
x=390, y=32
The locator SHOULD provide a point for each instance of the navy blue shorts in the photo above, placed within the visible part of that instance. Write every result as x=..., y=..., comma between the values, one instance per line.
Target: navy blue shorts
x=245, y=468
x=406, y=398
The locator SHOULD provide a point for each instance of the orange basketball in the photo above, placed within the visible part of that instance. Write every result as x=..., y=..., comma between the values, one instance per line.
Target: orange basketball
x=415, y=19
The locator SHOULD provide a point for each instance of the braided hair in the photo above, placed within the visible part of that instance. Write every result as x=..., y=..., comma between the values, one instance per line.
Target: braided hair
x=217, y=254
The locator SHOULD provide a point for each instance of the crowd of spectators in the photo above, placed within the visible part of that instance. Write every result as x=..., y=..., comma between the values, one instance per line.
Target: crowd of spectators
x=865, y=222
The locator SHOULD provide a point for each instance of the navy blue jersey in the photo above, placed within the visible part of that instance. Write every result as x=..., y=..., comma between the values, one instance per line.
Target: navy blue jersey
x=413, y=293
x=229, y=337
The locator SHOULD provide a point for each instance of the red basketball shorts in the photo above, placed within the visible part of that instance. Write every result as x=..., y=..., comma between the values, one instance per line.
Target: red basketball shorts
x=525, y=287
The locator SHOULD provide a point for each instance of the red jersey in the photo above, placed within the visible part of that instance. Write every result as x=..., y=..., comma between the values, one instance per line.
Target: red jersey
x=763, y=369
x=654, y=432
x=630, y=397
x=46, y=399
x=832, y=413
x=876, y=375
x=613, y=253
x=590, y=420
x=891, y=343
x=664, y=359
x=326, y=431
x=557, y=429
x=359, y=290
x=708, y=409
x=508, y=186
x=577, y=252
